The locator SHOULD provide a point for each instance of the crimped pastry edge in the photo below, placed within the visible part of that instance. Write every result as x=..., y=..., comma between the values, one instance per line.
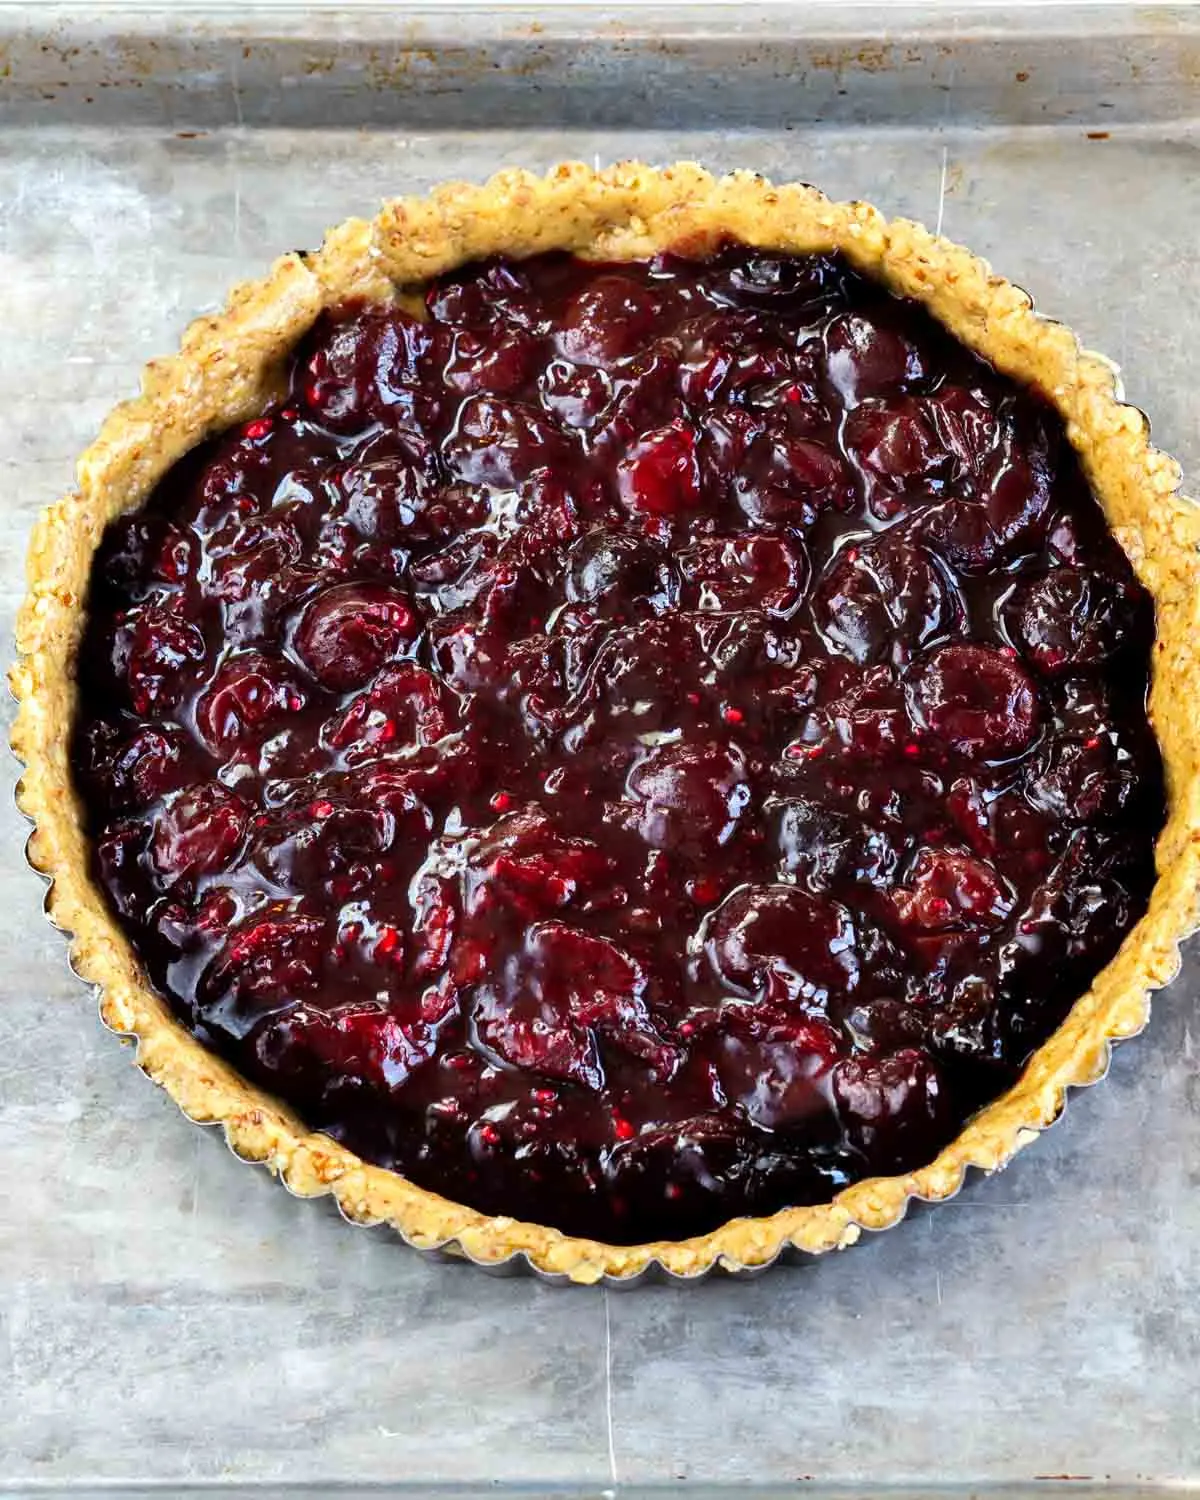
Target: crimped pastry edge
x=227, y=366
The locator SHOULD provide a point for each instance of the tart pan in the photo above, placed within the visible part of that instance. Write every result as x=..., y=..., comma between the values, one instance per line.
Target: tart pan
x=229, y=364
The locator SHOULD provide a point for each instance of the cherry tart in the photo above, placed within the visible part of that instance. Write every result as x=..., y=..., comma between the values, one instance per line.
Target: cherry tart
x=620, y=718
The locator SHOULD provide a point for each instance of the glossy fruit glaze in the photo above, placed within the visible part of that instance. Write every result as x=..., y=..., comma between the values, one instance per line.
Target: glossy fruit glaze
x=627, y=746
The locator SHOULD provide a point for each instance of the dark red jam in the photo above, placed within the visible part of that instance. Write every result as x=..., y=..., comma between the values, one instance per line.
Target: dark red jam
x=634, y=746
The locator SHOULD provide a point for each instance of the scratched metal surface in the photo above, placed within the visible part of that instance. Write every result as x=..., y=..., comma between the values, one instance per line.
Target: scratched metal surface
x=170, y=1317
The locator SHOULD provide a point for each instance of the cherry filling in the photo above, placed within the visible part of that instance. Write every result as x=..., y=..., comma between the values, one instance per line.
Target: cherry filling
x=633, y=746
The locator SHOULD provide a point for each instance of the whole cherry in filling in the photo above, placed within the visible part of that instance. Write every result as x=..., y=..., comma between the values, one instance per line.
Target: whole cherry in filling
x=626, y=746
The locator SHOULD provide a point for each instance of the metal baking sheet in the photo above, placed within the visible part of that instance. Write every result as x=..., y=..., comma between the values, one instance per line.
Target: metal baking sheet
x=172, y=1321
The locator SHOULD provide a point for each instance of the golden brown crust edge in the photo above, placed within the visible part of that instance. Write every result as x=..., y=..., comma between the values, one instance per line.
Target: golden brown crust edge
x=225, y=369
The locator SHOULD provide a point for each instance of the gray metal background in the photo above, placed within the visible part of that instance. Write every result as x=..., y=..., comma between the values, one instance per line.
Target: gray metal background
x=170, y=1317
